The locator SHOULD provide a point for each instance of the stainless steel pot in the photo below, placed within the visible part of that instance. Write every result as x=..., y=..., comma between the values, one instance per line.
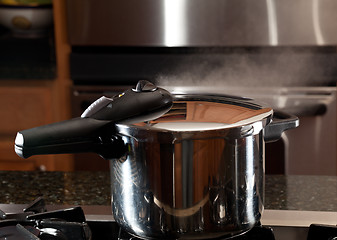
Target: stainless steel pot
x=188, y=175
x=196, y=172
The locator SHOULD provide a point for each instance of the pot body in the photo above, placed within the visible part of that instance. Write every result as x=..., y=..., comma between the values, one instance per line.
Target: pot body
x=189, y=185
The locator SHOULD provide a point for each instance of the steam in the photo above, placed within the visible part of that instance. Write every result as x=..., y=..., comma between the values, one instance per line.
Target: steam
x=281, y=68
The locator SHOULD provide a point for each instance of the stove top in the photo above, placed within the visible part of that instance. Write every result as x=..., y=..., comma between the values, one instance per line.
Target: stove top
x=99, y=231
x=35, y=222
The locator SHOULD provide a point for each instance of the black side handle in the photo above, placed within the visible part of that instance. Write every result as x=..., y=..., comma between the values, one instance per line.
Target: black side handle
x=281, y=122
x=71, y=136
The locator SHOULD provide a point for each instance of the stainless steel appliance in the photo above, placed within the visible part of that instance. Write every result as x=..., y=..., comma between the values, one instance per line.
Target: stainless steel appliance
x=202, y=23
x=277, y=51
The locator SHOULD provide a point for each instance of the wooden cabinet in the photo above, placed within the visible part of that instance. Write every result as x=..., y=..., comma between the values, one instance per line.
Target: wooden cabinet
x=27, y=106
x=23, y=107
x=10, y=161
x=27, y=103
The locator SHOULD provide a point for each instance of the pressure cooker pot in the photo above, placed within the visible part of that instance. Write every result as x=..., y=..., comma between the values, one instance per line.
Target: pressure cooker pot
x=183, y=166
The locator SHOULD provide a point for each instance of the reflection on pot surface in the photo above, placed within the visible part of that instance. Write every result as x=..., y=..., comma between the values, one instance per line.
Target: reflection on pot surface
x=190, y=186
x=184, y=180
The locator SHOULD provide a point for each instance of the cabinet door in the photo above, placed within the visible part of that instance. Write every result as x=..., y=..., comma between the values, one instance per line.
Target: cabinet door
x=22, y=108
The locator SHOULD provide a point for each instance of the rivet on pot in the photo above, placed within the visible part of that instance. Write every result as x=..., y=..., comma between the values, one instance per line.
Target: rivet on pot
x=246, y=131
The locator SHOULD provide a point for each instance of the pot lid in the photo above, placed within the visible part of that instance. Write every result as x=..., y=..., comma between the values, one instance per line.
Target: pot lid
x=191, y=112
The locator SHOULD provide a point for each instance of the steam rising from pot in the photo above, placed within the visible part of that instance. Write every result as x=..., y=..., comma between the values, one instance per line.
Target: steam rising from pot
x=266, y=67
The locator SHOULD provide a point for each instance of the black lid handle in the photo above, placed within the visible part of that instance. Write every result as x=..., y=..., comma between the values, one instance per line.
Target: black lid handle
x=94, y=131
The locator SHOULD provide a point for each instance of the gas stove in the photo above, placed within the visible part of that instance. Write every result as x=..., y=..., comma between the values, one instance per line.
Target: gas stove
x=35, y=222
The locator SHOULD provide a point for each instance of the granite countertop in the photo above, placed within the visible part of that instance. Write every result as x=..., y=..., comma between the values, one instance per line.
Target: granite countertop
x=307, y=193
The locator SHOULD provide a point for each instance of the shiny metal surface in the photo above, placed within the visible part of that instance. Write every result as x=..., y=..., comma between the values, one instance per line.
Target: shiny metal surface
x=189, y=184
x=202, y=22
x=189, y=189
x=309, y=149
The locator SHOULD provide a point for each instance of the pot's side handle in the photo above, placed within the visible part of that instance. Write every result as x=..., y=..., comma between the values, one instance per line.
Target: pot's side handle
x=281, y=122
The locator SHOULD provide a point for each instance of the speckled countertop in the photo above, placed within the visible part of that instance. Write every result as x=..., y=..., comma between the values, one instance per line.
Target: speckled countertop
x=308, y=193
